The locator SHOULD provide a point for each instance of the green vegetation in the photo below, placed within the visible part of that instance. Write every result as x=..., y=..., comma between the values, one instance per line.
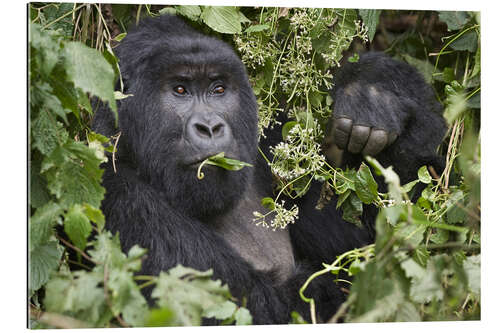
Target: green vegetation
x=425, y=263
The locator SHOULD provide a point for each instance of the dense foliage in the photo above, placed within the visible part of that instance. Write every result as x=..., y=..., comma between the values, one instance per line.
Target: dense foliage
x=425, y=264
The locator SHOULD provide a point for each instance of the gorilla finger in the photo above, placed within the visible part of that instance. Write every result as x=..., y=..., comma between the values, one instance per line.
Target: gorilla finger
x=392, y=137
x=376, y=142
x=341, y=131
x=359, y=136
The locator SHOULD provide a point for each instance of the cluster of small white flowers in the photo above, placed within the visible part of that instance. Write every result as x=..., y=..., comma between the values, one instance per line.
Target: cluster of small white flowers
x=301, y=20
x=253, y=54
x=282, y=216
x=299, y=154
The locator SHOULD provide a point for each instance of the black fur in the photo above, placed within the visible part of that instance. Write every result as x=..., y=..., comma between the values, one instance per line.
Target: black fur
x=155, y=200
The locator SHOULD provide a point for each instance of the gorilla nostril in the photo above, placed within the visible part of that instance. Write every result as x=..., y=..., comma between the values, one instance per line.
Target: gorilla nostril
x=218, y=130
x=203, y=130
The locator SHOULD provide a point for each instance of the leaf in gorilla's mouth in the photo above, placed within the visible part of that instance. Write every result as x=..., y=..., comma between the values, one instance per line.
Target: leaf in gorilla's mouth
x=222, y=162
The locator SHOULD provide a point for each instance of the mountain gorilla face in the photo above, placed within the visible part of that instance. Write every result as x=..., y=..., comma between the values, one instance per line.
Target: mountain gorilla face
x=195, y=101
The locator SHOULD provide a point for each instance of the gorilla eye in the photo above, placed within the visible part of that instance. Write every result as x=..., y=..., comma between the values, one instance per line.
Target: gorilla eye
x=218, y=89
x=180, y=90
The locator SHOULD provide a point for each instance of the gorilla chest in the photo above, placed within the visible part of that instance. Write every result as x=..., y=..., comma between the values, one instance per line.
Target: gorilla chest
x=263, y=248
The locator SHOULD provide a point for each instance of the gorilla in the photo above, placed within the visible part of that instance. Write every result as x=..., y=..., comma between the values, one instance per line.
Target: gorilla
x=191, y=99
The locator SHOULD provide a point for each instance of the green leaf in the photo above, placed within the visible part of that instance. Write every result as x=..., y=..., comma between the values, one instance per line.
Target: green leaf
x=41, y=226
x=191, y=12
x=43, y=260
x=160, y=318
x=191, y=294
x=89, y=71
x=77, y=226
x=80, y=296
x=268, y=203
x=391, y=178
x=466, y=42
x=38, y=193
x=127, y=298
x=222, y=19
x=243, y=316
x=287, y=127
x=73, y=174
x=220, y=311
x=424, y=176
x=95, y=215
x=222, y=162
x=370, y=18
x=352, y=210
x=454, y=20
x=472, y=267
x=365, y=185
x=256, y=28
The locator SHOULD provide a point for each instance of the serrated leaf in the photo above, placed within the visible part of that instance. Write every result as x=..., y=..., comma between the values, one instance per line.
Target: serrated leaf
x=189, y=293
x=89, y=71
x=77, y=226
x=126, y=297
x=365, y=185
x=38, y=193
x=43, y=260
x=41, y=227
x=222, y=19
x=73, y=174
x=79, y=295
x=220, y=311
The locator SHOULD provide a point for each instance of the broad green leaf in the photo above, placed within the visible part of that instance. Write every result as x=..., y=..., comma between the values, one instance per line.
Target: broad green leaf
x=424, y=176
x=191, y=12
x=43, y=260
x=472, y=267
x=454, y=19
x=89, y=71
x=257, y=28
x=466, y=42
x=365, y=185
x=243, y=317
x=45, y=47
x=77, y=226
x=222, y=19
x=370, y=18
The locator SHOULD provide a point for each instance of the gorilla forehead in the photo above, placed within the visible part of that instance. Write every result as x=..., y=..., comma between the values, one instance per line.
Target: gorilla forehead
x=164, y=43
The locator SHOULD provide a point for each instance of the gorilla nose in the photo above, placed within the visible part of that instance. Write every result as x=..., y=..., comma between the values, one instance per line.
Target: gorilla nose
x=208, y=131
